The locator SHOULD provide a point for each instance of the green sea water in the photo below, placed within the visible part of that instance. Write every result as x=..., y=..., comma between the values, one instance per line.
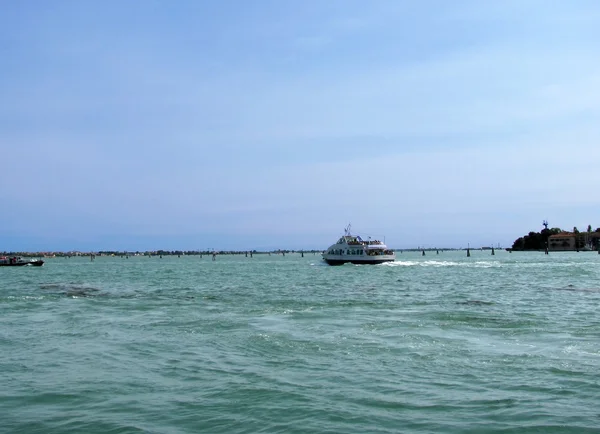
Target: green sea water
x=286, y=344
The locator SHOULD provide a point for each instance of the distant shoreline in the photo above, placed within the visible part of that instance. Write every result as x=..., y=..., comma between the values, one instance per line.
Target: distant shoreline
x=250, y=253
x=114, y=253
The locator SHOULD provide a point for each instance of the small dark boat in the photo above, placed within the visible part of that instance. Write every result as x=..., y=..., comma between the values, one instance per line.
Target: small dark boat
x=17, y=261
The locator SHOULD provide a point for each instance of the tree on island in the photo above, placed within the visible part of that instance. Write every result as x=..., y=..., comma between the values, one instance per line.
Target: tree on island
x=535, y=240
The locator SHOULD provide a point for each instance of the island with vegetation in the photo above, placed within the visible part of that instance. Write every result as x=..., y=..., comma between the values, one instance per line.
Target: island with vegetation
x=539, y=240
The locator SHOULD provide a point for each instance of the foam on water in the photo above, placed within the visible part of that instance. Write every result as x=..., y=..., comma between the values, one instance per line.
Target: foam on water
x=431, y=263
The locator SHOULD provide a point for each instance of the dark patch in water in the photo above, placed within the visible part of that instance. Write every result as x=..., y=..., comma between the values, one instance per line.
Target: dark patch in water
x=72, y=289
x=584, y=289
x=78, y=293
x=475, y=303
x=574, y=289
x=50, y=286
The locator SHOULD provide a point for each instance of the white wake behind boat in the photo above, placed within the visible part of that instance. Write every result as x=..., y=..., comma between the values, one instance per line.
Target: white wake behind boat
x=353, y=249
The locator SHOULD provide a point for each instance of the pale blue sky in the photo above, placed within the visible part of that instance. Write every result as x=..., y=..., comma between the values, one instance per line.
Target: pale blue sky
x=272, y=124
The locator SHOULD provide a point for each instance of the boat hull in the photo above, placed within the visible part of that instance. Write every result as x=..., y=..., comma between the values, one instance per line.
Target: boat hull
x=358, y=261
x=36, y=263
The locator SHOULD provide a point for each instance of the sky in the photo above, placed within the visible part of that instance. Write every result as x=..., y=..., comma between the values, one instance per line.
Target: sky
x=266, y=124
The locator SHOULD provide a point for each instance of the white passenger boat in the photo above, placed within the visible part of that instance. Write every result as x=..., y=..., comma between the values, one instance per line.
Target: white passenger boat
x=352, y=248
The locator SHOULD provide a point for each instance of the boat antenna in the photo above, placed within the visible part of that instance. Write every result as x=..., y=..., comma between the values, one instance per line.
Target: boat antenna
x=347, y=229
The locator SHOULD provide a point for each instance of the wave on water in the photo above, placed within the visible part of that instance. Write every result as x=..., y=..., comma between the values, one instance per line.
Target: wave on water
x=477, y=264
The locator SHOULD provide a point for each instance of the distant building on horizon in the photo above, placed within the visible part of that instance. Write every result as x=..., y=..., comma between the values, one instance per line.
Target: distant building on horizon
x=571, y=241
